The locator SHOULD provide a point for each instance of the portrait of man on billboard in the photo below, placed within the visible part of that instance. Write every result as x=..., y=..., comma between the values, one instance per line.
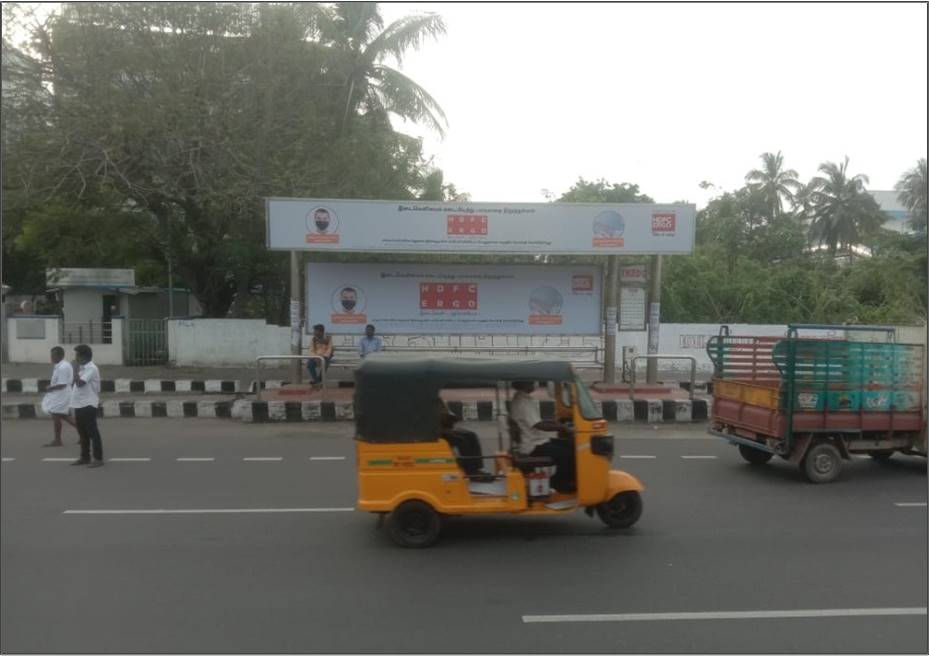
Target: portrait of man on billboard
x=348, y=299
x=322, y=219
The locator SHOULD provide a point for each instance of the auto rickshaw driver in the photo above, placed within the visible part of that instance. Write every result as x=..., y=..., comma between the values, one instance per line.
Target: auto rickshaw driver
x=535, y=440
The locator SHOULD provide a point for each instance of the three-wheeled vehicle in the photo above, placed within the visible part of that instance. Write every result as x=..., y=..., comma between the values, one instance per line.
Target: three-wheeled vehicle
x=815, y=401
x=410, y=475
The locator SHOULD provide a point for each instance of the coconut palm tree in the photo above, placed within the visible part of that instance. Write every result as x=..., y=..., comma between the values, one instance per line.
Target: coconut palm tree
x=911, y=189
x=356, y=33
x=843, y=213
x=774, y=182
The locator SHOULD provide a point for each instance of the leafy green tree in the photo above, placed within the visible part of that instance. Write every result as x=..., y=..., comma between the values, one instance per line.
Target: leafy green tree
x=774, y=183
x=356, y=31
x=601, y=191
x=843, y=213
x=191, y=113
x=911, y=188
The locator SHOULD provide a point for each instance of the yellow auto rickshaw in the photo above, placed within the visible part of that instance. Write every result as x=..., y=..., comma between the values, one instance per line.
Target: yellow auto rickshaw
x=412, y=477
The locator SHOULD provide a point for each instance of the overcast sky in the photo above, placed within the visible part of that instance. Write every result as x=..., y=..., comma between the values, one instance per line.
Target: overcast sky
x=667, y=95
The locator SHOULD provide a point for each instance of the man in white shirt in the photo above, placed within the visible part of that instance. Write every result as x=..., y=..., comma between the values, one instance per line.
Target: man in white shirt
x=536, y=439
x=85, y=397
x=57, y=399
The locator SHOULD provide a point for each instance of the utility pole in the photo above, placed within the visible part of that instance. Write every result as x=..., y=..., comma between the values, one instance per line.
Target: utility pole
x=609, y=359
x=654, y=318
x=296, y=370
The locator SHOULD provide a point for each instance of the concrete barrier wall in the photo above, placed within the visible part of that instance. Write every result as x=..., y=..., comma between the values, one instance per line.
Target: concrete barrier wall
x=30, y=338
x=224, y=342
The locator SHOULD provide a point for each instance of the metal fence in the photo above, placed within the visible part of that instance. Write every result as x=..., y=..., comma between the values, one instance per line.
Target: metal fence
x=146, y=342
x=86, y=332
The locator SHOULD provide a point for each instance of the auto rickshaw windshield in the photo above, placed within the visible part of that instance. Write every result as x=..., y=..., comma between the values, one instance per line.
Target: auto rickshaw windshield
x=585, y=402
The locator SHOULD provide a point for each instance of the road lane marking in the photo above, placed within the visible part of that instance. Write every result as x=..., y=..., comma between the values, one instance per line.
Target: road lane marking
x=699, y=457
x=202, y=511
x=130, y=459
x=196, y=459
x=8, y=459
x=736, y=615
x=58, y=459
x=911, y=504
x=639, y=457
x=327, y=457
x=272, y=459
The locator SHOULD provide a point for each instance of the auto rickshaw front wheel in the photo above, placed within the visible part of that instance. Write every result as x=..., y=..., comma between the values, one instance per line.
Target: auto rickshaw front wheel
x=414, y=524
x=622, y=511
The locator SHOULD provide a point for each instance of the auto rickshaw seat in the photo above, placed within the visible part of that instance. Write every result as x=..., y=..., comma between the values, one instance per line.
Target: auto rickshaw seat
x=521, y=462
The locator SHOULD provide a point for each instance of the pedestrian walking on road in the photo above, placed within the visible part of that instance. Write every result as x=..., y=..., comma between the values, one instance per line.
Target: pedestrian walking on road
x=85, y=397
x=57, y=399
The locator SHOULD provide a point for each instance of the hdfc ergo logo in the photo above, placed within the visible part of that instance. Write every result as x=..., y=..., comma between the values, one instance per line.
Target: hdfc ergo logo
x=466, y=225
x=664, y=224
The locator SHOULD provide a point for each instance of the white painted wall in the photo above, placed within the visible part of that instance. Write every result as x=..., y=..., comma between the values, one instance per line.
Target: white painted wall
x=37, y=350
x=224, y=342
x=80, y=305
x=31, y=350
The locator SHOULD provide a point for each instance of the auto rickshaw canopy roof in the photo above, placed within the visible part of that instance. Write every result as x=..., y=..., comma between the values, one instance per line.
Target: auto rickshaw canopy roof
x=396, y=398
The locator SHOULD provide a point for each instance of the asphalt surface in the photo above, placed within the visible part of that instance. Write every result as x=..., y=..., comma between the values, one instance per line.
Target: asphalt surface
x=717, y=535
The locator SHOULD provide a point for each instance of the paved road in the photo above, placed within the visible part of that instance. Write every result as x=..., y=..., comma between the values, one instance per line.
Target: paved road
x=717, y=536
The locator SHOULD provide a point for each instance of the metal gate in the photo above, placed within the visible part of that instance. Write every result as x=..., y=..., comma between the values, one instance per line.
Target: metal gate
x=146, y=342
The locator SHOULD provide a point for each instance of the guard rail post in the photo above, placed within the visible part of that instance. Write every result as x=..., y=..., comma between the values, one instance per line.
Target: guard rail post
x=657, y=356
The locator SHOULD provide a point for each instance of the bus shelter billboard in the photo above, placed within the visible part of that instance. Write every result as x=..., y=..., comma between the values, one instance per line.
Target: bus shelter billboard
x=425, y=226
x=454, y=299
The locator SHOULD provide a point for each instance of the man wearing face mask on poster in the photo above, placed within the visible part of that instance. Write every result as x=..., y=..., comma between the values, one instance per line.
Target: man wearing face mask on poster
x=322, y=219
x=348, y=298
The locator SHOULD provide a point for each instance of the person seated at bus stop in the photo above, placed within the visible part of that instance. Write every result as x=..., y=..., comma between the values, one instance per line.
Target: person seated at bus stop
x=536, y=439
x=464, y=442
x=321, y=346
x=369, y=343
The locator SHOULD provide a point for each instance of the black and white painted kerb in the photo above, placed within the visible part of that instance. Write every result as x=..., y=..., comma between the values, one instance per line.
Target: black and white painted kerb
x=147, y=386
x=623, y=410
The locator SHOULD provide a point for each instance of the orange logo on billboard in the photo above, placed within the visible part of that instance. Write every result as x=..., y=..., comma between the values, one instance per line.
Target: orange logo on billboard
x=349, y=303
x=582, y=283
x=322, y=226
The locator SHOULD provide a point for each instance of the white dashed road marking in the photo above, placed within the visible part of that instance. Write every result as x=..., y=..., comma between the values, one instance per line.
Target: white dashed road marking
x=274, y=459
x=739, y=615
x=58, y=459
x=9, y=459
x=639, y=457
x=911, y=504
x=130, y=459
x=204, y=511
x=699, y=457
x=196, y=459
x=327, y=457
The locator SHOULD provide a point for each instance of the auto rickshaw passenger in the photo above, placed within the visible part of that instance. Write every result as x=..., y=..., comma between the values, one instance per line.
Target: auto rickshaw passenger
x=464, y=442
x=536, y=440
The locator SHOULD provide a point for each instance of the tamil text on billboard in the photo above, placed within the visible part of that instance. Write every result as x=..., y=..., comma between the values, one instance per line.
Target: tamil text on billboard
x=454, y=299
x=417, y=226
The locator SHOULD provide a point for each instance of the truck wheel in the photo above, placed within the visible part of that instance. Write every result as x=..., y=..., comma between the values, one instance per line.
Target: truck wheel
x=881, y=456
x=755, y=456
x=622, y=511
x=414, y=524
x=822, y=463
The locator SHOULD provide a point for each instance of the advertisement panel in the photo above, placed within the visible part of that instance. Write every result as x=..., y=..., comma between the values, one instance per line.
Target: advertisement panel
x=424, y=226
x=455, y=299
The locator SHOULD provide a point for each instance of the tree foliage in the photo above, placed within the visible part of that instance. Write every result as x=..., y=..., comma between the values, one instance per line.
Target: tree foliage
x=184, y=116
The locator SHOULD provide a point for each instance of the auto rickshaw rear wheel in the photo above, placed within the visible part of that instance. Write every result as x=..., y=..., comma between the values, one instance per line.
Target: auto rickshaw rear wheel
x=754, y=456
x=622, y=511
x=822, y=463
x=414, y=524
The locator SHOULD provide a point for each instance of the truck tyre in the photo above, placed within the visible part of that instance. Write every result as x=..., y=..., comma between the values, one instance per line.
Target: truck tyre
x=881, y=456
x=414, y=524
x=755, y=456
x=822, y=463
x=622, y=511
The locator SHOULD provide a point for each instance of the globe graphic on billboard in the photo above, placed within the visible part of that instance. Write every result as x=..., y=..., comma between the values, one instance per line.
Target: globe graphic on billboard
x=609, y=223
